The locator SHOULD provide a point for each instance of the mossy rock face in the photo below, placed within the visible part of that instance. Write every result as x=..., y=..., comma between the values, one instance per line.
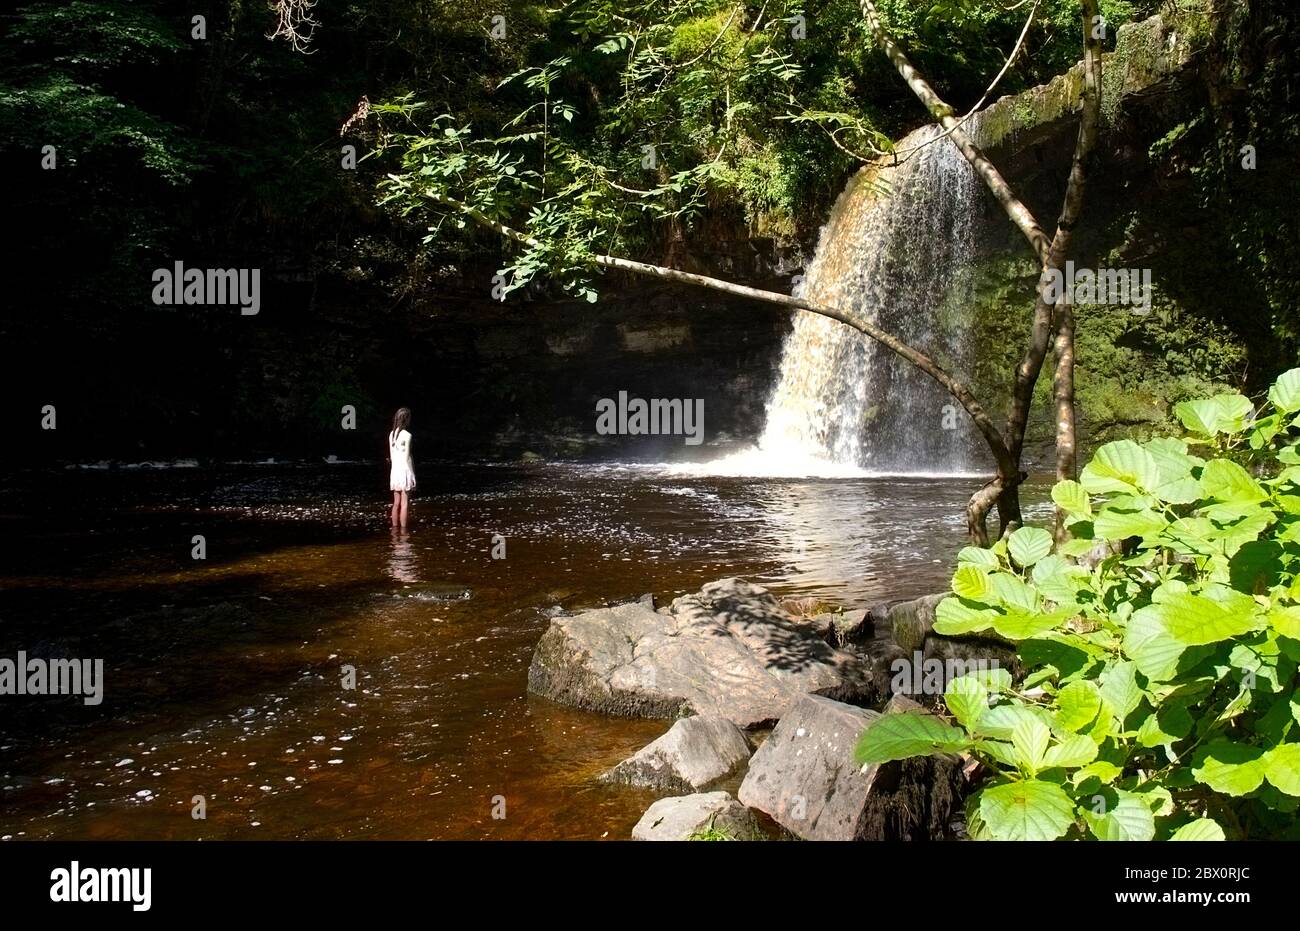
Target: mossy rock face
x=1149, y=56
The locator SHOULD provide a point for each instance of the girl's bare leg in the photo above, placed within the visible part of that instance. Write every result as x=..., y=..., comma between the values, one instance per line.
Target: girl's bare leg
x=406, y=501
x=392, y=512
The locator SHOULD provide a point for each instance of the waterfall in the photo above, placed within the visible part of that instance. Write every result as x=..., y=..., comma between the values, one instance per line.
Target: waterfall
x=897, y=249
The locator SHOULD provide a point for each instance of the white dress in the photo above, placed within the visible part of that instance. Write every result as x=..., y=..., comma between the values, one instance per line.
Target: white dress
x=401, y=476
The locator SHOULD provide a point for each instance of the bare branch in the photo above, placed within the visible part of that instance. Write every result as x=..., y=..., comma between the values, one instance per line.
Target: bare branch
x=294, y=22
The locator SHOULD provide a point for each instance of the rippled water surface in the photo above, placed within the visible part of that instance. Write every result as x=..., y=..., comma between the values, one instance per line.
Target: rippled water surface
x=223, y=674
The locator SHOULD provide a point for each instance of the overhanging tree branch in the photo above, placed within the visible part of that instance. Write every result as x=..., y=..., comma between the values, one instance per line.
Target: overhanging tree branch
x=945, y=116
x=957, y=389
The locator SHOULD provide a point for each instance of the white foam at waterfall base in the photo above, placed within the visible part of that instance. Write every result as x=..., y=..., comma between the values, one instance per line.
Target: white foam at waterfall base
x=756, y=462
x=897, y=250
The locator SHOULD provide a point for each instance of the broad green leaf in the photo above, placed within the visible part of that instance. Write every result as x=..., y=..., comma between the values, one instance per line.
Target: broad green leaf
x=1104, y=771
x=1171, y=458
x=1077, y=705
x=999, y=752
x=1183, y=490
x=900, y=736
x=1070, y=654
x=1029, y=810
x=1229, y=767
x=1056, y=579
x=1225, y=481
x=1122, y=466
x=1074, y=751
x=1225, y=413
x=1164, y=726
x=977, y=556
x=971, y=583
x=1071, y=498
x=1194, y=620
x=1120, y=690
x=1027, y=545
x=954, y=617
x=1282, y=767
x=1030, y=737
x=1156, y=652
x=1200, y=829
x=1011, y=591
x=1021, y=625
x=1285, y=393
x=1079, y=546
x=967, y=699
x=1116, y=524
x=1128, y=818
x=995, y=680
x=1001, y=721
x=1286, y=621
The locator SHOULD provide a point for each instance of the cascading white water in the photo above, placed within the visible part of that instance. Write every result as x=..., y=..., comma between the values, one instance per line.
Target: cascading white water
x=897, y=249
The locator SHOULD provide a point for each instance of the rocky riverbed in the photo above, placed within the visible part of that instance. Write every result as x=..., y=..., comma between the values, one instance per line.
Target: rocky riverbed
x=735, y=669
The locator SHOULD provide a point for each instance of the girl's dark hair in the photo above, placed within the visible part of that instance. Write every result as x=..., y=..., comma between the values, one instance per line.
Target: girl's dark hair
x=401, y=420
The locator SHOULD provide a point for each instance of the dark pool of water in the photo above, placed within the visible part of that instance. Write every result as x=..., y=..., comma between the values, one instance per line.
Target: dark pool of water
x=223, y=675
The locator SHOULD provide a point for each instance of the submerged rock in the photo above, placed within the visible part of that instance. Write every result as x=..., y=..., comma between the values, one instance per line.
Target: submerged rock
x=696, y=752
x=805, y=778
x=729, y=650
x=705, y=816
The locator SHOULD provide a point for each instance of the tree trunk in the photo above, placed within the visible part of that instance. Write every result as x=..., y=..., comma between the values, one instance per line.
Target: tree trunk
x=1063, y=382
x=1044, y=325
x=1063, y=396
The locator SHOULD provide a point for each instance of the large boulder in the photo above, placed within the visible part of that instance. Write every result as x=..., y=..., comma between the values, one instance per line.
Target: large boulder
x=696, y=752
x=805, y=778
x=707, y=815
x=729, y=650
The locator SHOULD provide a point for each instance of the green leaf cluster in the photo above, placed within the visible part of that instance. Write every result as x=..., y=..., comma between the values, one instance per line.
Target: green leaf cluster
x=1160, y=642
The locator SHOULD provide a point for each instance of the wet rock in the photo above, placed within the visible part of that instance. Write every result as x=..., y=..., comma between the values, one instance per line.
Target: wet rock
x=695, y=753
x=684, y=817
x=728, y=650
x=804, y=777
x=839, y=628
x=910, y=645
x=912, y=620
x=971, y=653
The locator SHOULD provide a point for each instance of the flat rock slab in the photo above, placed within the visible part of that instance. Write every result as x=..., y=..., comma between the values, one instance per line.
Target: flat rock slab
x=684, y=816
x=729, y=651
x=696, y=752
x=804, y=777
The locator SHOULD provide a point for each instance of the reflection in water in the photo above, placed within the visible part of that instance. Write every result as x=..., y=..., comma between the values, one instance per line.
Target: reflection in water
x=222, y=675
x=401, y=561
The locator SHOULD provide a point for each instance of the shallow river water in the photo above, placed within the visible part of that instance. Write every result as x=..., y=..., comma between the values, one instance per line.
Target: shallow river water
x=223, y=675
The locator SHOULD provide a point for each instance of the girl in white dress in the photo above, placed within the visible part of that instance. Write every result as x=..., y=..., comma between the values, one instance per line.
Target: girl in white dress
x=401, y=476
